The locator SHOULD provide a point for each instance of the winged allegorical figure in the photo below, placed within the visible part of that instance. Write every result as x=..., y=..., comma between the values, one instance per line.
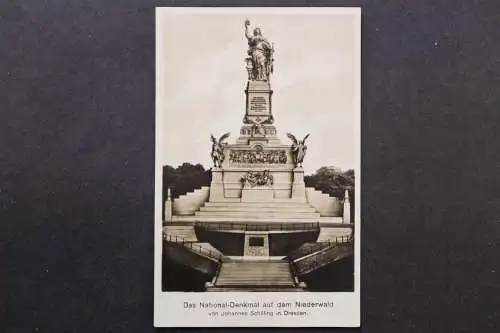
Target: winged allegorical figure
x=217, y=153
x=299, y=149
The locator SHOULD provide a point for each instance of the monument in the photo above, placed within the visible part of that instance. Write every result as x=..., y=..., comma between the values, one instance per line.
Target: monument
x=247, y=139
x=258, y=166
x=257, y=205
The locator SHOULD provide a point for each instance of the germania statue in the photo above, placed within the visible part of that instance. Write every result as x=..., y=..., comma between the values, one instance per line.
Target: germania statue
x=260, y=63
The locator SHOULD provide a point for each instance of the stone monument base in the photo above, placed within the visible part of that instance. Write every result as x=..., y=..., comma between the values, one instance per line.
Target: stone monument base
x=262, y=193
x=256, y=244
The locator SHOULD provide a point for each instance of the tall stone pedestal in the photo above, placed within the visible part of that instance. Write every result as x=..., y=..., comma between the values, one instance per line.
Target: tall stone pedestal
x=258, y=106
x=216, y=186
x=298, y=186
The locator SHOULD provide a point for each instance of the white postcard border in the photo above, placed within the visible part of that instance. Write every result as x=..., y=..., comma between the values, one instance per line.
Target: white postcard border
x=169, y=310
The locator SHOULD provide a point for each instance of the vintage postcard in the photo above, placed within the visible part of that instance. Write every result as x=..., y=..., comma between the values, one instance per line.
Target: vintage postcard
x=257, y=197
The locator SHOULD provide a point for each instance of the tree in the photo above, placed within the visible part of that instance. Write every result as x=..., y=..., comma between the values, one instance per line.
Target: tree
x=190, y=177
x=168, y=178
x=185, y=178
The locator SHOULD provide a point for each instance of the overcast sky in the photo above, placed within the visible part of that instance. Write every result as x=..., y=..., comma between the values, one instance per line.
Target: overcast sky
x=202, y=77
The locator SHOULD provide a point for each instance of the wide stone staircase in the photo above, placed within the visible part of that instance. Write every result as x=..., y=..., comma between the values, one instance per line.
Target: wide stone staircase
x=181, y=246
x=246, y=275
x=190, y=202
x=276, y=211
x=305, y=250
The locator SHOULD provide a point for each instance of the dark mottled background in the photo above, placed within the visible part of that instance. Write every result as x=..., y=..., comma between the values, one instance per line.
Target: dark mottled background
x=77, y=165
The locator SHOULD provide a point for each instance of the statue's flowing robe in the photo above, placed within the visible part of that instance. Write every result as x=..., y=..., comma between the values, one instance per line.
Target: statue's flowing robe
x=300, y=154
x=259, y=51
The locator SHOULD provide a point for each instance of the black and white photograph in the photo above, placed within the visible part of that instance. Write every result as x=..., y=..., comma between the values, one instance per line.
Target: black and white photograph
x=219, y=167
x=257, y=180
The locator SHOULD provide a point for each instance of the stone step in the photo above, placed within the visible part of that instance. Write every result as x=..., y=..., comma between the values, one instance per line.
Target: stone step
x=247, y=219
x=249, y=264
x=233, y=208
x=252, y=283
x=275, y=200
x=192, y=219
x=258, y=215
x=243, y=272
x=272, y=227
x=254, y=271
x=255, y=289
x=263, y=278
x=257, y=204
x=256, y=283
x=255, y=274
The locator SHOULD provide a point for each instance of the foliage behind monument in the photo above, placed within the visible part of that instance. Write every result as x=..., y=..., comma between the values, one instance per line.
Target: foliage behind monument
x=188, y=177
x=185, y=178
x=333, y=181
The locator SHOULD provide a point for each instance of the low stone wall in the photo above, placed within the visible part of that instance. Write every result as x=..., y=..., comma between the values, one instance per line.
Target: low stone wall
x=330, y=234
x=189, y=203
x=281, y=244
x=331, y=254
x=323, y=203
x=184, y=256
x=229, y=243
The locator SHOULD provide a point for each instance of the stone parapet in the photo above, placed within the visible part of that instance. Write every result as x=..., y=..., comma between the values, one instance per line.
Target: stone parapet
x=323, y=203
x=189, y=203
x=330, y=234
